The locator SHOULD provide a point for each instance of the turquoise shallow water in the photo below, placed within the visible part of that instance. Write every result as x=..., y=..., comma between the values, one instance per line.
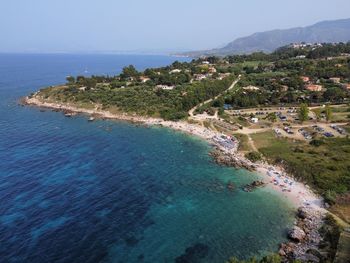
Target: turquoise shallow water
x=74, y=191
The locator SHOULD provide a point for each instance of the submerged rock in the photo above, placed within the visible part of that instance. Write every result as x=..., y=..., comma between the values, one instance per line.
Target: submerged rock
x=253, y=185
x=193, y=254
x=230, y=186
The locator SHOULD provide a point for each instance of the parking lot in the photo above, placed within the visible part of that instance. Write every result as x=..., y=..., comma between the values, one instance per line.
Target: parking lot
x=308, y=132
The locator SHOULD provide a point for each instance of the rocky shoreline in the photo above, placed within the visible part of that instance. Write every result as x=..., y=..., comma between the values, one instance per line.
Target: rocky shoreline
x=304, y=236
x=233, y=160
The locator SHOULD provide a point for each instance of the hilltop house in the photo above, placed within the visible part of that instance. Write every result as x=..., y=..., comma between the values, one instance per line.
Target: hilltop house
x=313, y=87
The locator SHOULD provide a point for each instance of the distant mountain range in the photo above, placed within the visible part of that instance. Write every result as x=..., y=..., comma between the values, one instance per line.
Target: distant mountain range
x=322, y=32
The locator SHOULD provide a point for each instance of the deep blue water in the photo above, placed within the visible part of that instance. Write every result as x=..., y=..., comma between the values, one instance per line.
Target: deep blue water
x=107, y=191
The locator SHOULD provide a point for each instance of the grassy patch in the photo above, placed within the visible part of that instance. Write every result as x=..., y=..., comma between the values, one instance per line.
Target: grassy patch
x=325, y=167
x=243, y=142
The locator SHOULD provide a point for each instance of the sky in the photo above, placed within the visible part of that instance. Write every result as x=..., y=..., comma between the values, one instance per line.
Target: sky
x=150, y=25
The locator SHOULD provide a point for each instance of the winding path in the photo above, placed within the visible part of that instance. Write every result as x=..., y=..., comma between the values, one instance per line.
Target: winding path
x=191, y=111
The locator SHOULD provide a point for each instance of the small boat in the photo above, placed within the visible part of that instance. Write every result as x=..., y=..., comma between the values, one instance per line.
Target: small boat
x=91, y=119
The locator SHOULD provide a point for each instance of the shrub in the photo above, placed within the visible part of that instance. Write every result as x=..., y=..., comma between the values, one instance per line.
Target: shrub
x=330, y=197
x=316, y=142
x=253, y=156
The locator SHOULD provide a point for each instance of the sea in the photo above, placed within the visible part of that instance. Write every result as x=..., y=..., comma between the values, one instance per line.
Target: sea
x=112, y=191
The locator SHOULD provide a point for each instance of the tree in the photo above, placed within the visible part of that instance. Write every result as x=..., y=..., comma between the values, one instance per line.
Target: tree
x=317, y=114
x=129, y=72
x=328, y=112
x=253, y=156
x=272, y=117
x=70, y=80
x=303, y=112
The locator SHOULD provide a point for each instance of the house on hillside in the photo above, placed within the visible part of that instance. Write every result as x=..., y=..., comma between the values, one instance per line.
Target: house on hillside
x=165, y=87
x=199, y=76
x=251, y=88
x=313, y=87
x=212, y=70
x=175, y=71
x=335, y=80
x=144, y=79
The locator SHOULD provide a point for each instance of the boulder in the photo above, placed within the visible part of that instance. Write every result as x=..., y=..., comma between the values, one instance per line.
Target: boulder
x=297, y=234
x=304, y=212
x=286, y=249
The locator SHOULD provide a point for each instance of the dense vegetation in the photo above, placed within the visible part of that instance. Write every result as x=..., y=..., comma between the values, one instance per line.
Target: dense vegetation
x=171, y=91
x=127, y=94
x=278, y=76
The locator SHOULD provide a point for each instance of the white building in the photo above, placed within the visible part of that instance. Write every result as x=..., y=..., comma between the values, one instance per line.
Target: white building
x=144, y=79
x=199, y=76
x=175, y=71
x=165, y=87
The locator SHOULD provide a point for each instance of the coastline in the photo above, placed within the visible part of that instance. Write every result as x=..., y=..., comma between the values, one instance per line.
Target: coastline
x=300, y=195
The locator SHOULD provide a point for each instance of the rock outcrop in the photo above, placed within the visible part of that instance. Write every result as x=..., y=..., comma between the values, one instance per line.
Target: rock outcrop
x=231, y=160
x=304, y=236
x=296, y=234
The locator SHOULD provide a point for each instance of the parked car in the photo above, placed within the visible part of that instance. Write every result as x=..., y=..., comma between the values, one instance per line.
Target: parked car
x=328, y=134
